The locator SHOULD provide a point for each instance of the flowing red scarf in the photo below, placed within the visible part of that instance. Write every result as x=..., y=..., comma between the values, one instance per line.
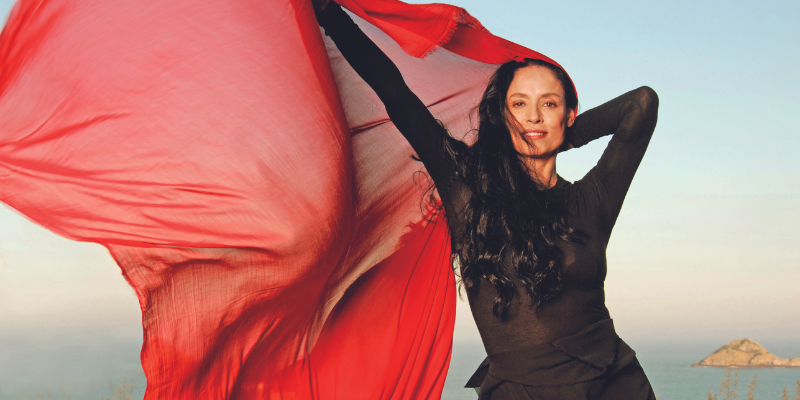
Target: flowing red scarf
x=248, y=184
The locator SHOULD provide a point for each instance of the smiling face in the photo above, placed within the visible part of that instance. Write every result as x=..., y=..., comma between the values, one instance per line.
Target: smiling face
x=538, y=115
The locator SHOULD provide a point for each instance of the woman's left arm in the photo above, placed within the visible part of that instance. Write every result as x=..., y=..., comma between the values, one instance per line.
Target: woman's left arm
x=631, y=119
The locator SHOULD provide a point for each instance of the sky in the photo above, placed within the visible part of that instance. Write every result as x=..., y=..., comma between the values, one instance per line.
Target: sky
x=706, y=247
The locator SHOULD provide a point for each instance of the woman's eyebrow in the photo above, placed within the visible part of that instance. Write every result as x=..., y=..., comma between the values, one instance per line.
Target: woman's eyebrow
x=551, y=94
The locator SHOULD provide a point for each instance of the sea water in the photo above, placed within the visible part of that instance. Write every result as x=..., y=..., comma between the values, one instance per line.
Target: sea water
x=86, y=367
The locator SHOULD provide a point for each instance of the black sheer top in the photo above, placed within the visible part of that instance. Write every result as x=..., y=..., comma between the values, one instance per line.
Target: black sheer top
x=594, y=201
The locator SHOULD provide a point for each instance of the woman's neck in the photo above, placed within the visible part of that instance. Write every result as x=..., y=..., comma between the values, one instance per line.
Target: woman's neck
x=542, y=171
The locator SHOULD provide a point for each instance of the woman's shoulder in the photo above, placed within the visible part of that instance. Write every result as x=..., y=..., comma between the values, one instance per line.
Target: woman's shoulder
x=586, y=193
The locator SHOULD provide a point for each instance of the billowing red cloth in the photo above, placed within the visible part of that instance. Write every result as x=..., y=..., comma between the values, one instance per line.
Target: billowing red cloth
x=248, y=183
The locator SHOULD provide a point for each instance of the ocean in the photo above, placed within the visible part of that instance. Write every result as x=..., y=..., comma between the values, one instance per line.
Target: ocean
x=42, y=368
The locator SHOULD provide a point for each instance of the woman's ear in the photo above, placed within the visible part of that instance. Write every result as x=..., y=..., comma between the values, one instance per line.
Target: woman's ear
x=572, y=115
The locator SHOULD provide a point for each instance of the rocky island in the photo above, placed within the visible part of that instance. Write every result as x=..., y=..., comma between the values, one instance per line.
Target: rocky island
x=745, y=353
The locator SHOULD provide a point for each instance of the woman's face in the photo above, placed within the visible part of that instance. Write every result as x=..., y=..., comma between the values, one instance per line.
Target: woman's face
x=538, y=113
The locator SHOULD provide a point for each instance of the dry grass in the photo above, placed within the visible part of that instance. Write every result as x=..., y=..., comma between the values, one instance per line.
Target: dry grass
x=751, y=390
x=728, y=390
x=730, y=386
x=124, y=391
x=42, y=397
x=797, y=391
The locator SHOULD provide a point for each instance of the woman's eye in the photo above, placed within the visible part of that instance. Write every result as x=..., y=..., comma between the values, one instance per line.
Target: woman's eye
x=550, y=104
x=518, y=104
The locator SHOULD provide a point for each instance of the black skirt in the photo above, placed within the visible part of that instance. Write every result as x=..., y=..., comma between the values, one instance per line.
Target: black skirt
x=591, y=364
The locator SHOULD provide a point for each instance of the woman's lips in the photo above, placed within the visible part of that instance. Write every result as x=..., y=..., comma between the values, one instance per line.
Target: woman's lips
x=535, y=134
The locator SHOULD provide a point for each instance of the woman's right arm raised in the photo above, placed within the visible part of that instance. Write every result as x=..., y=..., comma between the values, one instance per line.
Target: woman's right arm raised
x=405, y=109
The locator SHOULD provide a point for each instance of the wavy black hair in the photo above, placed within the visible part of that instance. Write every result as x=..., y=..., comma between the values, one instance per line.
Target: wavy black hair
x=511, y=225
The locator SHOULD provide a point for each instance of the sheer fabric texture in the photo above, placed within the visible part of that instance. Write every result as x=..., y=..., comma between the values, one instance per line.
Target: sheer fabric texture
x=248, y=184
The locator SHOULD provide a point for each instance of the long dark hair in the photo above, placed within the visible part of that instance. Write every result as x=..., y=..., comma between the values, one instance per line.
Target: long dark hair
x=511, y=226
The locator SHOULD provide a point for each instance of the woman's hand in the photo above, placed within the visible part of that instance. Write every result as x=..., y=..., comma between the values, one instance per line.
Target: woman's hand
x=319, y=5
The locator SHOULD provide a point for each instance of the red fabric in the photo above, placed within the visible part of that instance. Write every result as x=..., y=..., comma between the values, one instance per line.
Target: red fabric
x=420, y=29
x=247, y=183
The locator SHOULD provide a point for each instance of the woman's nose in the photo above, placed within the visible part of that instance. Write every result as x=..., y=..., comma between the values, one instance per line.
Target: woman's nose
x=534, y=116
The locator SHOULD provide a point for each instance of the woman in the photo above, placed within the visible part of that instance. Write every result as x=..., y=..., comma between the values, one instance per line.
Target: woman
x=530, y=245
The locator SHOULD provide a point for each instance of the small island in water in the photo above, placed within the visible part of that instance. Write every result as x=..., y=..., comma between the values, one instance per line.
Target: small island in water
x=745, y=353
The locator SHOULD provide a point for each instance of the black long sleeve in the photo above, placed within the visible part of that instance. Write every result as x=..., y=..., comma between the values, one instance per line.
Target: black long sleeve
x=405, y=109
x=631, y=119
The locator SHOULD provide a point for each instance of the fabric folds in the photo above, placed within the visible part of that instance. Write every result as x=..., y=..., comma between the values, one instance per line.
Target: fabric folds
x=248, y=184
x=593, y=363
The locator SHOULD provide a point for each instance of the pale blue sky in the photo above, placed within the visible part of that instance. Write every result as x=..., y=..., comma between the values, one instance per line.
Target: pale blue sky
x=706, y=247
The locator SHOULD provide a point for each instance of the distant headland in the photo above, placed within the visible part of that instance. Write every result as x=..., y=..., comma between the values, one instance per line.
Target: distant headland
x=745, y=353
